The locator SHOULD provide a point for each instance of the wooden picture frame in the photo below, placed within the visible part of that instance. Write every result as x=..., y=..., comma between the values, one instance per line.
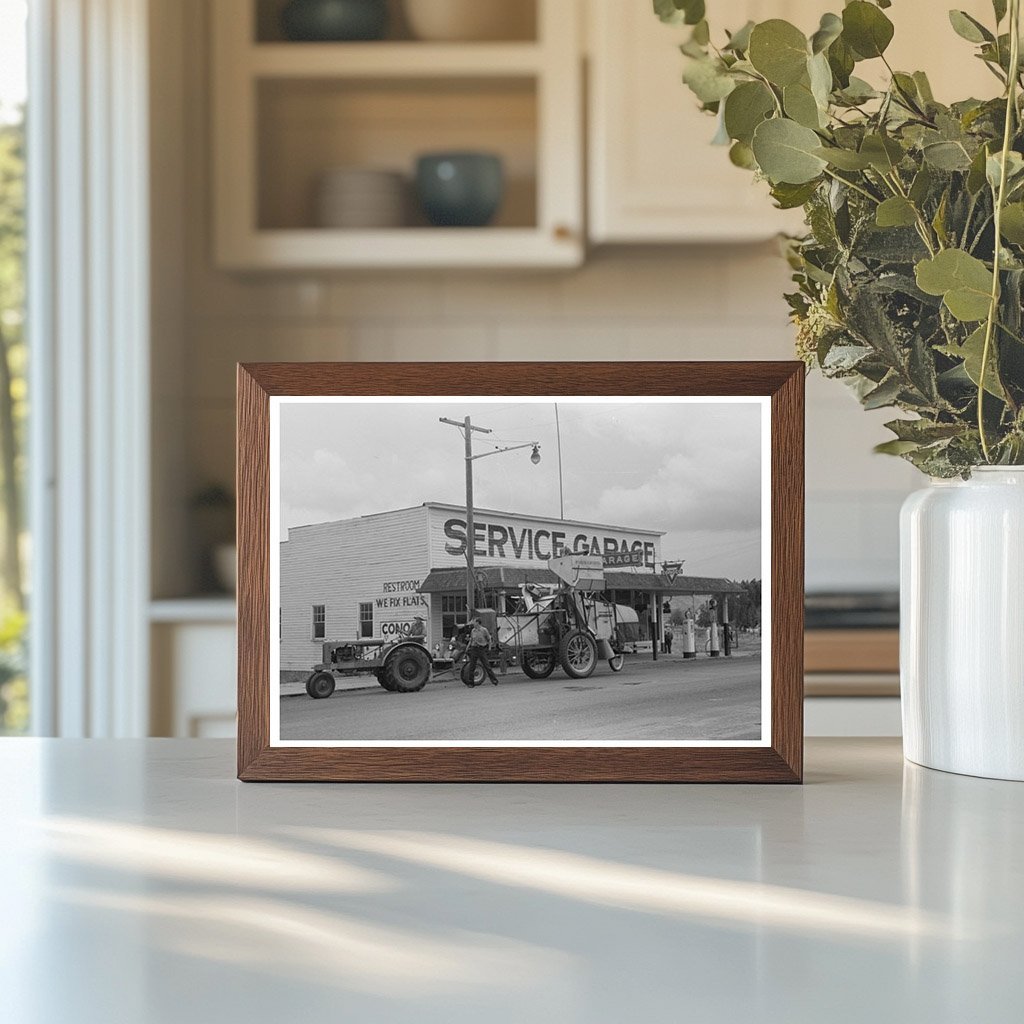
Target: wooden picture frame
x=780, y=759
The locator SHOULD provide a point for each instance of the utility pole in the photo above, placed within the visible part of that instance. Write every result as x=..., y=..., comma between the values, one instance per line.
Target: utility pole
x=467, y=428
x=561, y=496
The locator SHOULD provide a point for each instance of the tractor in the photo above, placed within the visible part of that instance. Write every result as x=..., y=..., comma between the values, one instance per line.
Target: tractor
x=401, y=666
x=564, y=624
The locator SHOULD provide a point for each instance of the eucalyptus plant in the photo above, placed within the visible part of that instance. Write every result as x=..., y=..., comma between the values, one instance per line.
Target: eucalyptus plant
x=910, y=278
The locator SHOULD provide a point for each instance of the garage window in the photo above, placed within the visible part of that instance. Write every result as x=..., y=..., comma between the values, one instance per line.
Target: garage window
x=319, y=621
x=366, y=619
x=453, y=613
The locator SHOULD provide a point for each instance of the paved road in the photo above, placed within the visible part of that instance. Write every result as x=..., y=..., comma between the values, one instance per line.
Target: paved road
x=668, y=700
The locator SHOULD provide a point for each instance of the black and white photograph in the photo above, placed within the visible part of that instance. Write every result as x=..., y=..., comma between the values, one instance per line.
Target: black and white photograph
x=530, y=571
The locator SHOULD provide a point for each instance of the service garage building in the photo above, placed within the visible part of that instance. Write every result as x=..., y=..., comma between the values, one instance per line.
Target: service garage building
x=375, y=575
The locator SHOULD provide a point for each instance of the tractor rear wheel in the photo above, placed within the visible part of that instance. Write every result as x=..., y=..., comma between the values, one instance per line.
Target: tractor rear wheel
x=382, y=678
x=539, y=664
x=577, y=654
x=320, y=685
x=407, y=669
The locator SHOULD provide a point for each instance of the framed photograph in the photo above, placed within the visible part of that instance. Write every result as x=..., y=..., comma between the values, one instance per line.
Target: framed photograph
x=520, y=572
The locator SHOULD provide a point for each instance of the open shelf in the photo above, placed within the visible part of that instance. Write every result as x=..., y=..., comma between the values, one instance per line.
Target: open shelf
x=288, y=113
x=393, y=60
x=520, y=17
x=306, y=128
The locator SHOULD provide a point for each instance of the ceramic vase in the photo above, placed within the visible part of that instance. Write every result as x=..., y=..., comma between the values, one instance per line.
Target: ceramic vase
x=962, y=624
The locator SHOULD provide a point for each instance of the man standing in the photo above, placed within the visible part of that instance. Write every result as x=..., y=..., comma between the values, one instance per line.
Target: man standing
x=479, y=643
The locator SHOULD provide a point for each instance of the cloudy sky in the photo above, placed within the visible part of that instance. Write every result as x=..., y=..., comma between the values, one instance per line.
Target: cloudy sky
x=692, y=470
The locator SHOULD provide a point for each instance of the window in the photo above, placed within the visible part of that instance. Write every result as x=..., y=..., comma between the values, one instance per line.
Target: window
x=366, y=619
x=453, y=613
x=14, y=546
x=319, y=621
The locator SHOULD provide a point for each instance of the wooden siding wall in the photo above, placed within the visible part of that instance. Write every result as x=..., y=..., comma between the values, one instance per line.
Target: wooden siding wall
x=378, y=558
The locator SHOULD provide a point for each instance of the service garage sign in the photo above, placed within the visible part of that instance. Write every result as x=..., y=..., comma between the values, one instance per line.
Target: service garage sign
x=535, y=542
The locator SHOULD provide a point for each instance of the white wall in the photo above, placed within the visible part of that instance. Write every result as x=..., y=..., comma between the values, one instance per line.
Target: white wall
x=702, y=303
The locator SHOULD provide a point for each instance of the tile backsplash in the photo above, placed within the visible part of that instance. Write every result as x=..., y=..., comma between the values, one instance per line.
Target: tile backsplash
x=699, y=302
x=717, y=302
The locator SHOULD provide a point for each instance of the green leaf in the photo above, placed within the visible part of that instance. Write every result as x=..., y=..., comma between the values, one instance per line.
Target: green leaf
x=896, y=212
x=676, y=12
x=963, y=281
x=924, y=87
x=969, y=28
x=745, y=108
x=841, y=60
x=883, y=153
x=866, y=29
x=896, y=447
x=947, y=156
x=708, y=80
x=820, y=76
x=785, y=152
x=830, y=29
x=739, y=41
x=1012, y=226
x=922, y=185
x=971, y=352
x=939, y=220
x=789, y=197
x=999, y=6
x=858, y=91
x=778, y=50
x=844, y=159
x=801, y=106
x=741, y=155
x=884, y=395
x=976, y=174
x=994, y=169
x=923, y=431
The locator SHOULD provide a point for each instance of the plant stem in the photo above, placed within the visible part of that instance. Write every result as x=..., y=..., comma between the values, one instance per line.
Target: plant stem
x=923, y=228
x=993, y=309
x=856, y=188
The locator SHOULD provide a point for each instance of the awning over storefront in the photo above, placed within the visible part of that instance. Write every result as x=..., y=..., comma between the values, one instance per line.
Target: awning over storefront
x=492, y=577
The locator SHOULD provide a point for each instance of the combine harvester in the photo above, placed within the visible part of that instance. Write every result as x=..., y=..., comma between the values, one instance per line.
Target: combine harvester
x=562, y=624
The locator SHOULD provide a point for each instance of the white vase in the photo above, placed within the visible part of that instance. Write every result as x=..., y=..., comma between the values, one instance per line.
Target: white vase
x=962, y=624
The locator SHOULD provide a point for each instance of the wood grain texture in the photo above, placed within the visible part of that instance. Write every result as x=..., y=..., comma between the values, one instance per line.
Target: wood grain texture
x=782, y=762
x=852, y=650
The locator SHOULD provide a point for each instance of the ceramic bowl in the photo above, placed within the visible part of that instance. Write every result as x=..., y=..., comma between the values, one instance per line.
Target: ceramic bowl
x=460, y=189
x=359, y=197
x=334, y=20
x=470, y=20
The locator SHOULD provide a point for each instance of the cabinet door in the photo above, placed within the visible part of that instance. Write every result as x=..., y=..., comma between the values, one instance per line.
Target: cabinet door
x=654, y=176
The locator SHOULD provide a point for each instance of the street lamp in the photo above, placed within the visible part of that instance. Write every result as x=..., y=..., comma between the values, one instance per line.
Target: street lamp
x=467, y=428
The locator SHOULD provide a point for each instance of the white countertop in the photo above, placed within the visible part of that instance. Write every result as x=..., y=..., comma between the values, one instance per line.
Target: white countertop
x=143, y=885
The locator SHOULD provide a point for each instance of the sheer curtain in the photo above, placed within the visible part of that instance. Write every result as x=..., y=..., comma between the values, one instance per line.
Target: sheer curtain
x=88, y=300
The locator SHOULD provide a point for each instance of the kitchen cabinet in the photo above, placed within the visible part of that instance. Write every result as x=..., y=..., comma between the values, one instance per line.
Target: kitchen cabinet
x=653, y=175
x=287, y=113
x=192, y=653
